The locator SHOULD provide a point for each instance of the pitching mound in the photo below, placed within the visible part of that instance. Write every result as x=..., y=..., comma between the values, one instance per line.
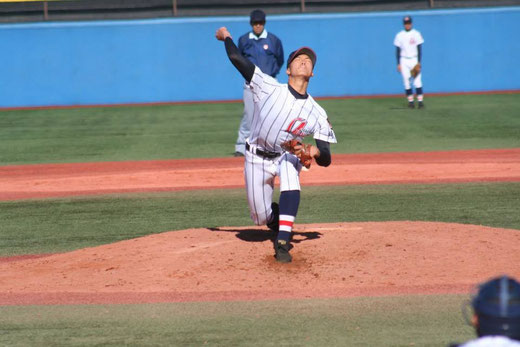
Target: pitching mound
x=330, y=260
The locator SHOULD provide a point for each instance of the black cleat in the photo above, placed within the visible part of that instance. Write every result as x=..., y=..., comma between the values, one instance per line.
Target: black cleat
x=281, y=249
x=411, y=104
x=421, y=104
x=238, y=154
x=275, y=219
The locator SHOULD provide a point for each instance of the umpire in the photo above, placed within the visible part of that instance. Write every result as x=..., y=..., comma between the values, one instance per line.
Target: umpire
x=264, y=50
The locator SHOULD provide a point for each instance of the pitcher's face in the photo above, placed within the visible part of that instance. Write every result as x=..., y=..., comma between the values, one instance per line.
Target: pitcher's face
x=301, y=66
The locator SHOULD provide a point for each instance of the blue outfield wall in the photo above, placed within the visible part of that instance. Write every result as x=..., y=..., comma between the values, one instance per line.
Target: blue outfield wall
x=176, y=60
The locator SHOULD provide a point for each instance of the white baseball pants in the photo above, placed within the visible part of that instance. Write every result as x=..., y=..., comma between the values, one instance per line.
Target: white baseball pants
x=245, y=124
x=260, y=173
x=406, y=65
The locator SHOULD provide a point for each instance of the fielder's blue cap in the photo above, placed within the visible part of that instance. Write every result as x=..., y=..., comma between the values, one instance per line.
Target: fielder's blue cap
x=407, y=19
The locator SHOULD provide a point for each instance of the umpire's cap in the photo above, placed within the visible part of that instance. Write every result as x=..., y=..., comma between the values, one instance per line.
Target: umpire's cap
x=497, y=306
x=257, y=16
x=302, y=50
x=407, y=20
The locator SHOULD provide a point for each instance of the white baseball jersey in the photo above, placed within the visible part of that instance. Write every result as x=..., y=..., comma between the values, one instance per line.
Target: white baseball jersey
x=279, y=116
x=407, y=41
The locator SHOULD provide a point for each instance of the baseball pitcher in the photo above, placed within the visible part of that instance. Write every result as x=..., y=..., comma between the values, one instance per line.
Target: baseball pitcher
x=283, y=115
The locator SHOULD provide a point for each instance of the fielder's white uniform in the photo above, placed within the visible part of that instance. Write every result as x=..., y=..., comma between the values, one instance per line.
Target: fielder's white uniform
x=278, y=116
x=408, y=41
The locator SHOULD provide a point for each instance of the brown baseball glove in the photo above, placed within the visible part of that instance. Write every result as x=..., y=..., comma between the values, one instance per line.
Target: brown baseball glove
x=301, y=150
x=416, y=70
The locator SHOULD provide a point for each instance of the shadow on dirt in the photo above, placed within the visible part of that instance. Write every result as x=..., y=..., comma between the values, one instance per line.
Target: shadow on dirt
x=255, y=235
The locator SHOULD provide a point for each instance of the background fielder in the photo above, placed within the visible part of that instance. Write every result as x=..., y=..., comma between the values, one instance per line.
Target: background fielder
x=409, y=50
x=265, y=50
x=282, y=112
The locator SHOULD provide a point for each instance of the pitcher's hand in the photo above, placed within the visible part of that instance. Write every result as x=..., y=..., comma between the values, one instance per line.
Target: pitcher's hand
x=222, y=33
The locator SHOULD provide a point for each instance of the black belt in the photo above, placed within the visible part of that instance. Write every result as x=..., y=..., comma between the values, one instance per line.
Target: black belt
x=261, y=153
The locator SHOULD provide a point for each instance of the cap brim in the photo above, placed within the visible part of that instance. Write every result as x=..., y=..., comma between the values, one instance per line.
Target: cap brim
x=303, y=50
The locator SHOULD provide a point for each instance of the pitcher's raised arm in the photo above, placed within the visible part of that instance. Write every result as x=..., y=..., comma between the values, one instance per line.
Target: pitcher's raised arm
x=243, y=65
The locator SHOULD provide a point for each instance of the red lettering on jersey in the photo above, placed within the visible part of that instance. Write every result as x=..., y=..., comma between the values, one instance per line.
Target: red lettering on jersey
x=296, y=127
x=412, y=41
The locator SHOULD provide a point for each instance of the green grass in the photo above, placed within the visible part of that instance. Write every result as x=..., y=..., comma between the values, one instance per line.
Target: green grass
x=386, y=321
x=118, y=133
x=210, y=130
x=57, y=225
x=447, y=123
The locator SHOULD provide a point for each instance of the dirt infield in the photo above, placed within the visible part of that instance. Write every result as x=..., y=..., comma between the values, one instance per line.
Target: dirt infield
x=59, y=180
x=330, y=260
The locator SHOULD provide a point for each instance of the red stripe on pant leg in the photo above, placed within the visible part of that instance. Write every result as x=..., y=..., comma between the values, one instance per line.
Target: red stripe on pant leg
x=286, y=223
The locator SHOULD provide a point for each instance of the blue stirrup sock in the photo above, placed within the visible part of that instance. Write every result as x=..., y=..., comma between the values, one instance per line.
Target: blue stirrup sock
x=289, y=203
x=409, y=94
x=419, y=93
